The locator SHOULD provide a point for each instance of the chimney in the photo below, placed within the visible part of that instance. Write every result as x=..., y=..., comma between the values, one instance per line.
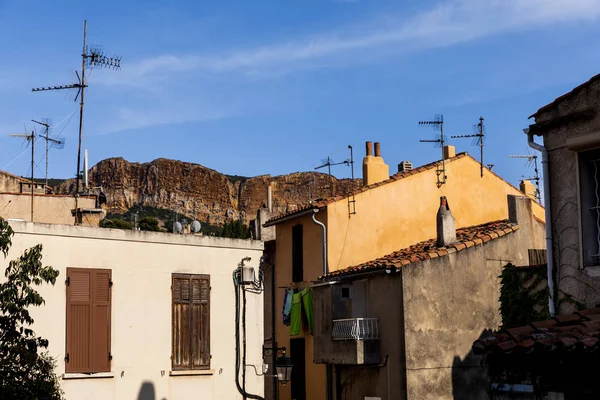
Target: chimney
x=449, y=152
x=375, y=170
x=269, y=198
x=405, y=166
x=527, y=188
x=446, y=226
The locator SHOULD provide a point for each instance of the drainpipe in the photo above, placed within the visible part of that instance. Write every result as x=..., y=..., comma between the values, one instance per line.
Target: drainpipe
x=550, y=258
x=315, y=211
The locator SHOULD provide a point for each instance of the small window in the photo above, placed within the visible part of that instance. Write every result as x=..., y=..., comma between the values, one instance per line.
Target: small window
x=191, y=322
x=345, y=293
x=589, y=184
x=297, y=254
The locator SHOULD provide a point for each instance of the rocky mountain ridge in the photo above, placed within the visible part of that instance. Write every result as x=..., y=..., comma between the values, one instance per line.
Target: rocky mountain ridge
x=201, y=192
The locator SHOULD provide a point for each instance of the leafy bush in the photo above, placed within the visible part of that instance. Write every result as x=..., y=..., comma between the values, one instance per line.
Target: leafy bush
x=116, y=224
x=149, y=224
x=24, y=374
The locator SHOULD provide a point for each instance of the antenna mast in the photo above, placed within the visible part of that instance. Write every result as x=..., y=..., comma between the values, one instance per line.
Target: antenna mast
x=478, y=135
x=50, y=142
x=29, y=137
x=532, y=161
x=329, y=164
x=90, y=58
x=438, y=125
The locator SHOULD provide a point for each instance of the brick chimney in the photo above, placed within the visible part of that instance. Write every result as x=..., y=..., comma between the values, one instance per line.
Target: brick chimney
x=446, y=226
x=374, y=168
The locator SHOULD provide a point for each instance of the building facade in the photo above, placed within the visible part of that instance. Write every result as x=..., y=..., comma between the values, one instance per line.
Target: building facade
x=386, y=214
x=144, y=315
x=401, y=326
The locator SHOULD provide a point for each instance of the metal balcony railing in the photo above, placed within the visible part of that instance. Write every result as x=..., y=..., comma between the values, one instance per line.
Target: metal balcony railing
x=356, y=329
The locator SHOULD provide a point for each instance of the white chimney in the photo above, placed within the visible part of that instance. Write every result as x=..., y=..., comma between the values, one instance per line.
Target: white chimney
x=446, y=226
x=85, y=170
x=270, y=198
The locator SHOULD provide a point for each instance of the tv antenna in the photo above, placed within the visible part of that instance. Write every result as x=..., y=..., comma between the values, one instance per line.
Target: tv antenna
x=438, y=125
x=58, y=143
x=532, y=162
x=478, y=135
x=91, y=58
x=30, y=137
x=328, y=162
x=351, y=201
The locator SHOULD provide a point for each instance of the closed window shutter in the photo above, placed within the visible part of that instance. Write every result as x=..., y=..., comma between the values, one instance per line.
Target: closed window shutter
x=191, y=321
x=101, y=306
x=79, y=320
x=201, y=322
x=181, y=322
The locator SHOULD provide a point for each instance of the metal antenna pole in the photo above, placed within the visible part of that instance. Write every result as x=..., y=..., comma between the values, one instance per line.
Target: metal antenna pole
x=32, y=169
x=479, y=135
x=46, y=125
x=328, y=164
x=438, y=124
x=351, y=162
x=481, y=143
x=81, y=102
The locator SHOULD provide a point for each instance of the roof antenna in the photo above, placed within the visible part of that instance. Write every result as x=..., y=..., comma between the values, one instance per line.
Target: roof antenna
x=58, y=143
x=532, y=162
x=478, y=135
x=351, y=200
x=91, y=58
x=438, y=125
x=328, y=162
x=30, y=137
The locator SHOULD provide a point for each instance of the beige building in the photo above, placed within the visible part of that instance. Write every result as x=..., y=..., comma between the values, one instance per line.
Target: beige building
x=401, y=326
x=144, y=315
x=388, y=213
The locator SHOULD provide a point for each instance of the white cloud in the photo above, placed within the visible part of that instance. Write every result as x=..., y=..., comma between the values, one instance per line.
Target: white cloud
x=447, y=23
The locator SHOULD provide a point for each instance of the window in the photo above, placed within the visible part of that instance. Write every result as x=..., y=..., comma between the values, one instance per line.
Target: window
x=589, y=184
x=297, y=256
x=88, y=320
x=191, y=322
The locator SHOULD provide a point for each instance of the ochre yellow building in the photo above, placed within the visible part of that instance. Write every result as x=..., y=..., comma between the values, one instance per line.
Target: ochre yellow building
x=386, y=214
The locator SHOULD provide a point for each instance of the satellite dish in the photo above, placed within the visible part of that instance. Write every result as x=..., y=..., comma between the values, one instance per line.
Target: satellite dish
x=177, y=227
x=196, y=226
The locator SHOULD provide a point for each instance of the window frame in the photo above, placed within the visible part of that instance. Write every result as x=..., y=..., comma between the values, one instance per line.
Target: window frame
x=586, y=225
x=297, y=253
x=191, y=366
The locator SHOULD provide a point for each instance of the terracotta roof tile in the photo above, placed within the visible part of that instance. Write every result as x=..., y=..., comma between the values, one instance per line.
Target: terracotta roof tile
x=569, y=332
x=466, y=237
x=396, y=177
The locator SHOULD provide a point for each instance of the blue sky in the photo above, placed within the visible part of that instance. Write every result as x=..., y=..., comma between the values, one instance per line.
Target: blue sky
x=264, y=87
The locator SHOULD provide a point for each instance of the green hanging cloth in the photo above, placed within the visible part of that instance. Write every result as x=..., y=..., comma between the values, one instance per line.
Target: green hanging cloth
x=296, y=317
x=307, y=304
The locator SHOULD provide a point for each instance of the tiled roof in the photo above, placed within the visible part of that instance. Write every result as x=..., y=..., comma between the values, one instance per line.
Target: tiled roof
x=466, y=237
x=564, y=96
x=324, y=202
x=579, y=331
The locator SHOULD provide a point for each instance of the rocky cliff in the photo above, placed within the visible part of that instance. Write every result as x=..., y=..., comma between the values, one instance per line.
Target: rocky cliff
x=201, y=192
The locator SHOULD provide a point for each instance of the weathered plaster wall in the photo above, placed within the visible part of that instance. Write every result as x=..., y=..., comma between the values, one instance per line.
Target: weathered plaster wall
x=401, y=213
x=448, y=303
x=581, y=283
x=313, y=268
x=47, y=209
x=9, y=182
x=142, y=264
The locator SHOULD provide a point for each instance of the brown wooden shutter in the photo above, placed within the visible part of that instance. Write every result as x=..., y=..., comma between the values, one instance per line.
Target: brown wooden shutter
x=201, y=322
x=79, y=320
x=88, y=320
x=191, y=321
x=181, y=322
x=101, y=307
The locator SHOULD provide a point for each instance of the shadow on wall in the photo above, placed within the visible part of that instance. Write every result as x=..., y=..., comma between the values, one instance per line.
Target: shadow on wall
x=147, y=392
x=469, y=376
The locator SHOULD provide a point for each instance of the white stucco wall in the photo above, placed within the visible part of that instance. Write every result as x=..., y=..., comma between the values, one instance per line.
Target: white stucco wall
x=142, y=264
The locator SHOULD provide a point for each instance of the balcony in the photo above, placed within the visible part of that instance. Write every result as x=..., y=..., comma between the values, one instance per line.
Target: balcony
x=355, y=329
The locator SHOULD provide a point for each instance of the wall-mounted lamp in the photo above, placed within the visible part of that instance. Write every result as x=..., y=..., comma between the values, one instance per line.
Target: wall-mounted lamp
x=283, y=364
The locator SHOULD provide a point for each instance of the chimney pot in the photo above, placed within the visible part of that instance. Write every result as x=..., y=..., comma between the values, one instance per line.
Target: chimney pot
x=377, y=149
x=369, y=148
x=445, y=224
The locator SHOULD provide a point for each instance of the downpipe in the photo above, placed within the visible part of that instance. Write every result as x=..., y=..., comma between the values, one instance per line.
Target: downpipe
x=548, y=212
x=325, y=269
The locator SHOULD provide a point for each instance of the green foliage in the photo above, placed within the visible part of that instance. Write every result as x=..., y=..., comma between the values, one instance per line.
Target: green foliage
x=235, y=229
x=24, y=374
x=149, y=224
x=521, y=301
x=115, y=224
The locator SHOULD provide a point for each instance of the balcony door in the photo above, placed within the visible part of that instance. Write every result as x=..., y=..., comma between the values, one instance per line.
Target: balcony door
x=298, y=356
